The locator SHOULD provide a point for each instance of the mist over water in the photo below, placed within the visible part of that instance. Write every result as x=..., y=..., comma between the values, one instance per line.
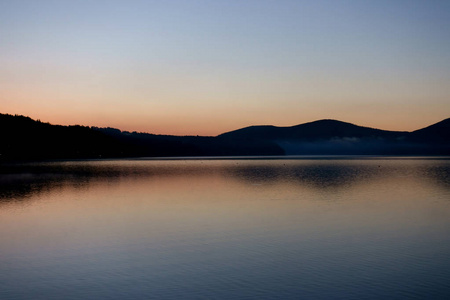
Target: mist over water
x=311, y=228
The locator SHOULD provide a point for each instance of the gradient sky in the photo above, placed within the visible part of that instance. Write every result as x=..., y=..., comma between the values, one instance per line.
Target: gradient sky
x=206, y=67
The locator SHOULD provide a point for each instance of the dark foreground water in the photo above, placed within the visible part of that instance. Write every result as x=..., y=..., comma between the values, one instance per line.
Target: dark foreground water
x=354, y=228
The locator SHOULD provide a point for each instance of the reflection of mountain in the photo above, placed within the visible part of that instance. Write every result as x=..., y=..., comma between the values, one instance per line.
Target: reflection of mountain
x=23, y=138
x=23, y=181
x=320, y=176
x=439, y=175
x=20, y=181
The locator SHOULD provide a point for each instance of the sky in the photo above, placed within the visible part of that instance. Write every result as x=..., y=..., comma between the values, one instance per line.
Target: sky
x=206, y=67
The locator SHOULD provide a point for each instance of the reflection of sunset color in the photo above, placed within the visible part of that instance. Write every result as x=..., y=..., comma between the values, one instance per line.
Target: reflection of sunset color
x=226, y=229
x=206, y=67
x=235, y=195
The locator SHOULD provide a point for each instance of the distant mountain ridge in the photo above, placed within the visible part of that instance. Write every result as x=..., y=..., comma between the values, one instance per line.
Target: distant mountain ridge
x=336, y=137
x=320, y=129
x=22, y=138
x=437, y=133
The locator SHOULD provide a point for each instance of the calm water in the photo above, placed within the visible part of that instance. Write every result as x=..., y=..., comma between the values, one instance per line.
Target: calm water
x=354, y=228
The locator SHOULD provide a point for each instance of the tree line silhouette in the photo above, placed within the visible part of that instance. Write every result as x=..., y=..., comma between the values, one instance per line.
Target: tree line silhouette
x=23, y=138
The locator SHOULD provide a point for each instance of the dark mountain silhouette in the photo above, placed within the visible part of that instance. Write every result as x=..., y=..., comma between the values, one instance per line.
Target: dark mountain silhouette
x=168, y=145
x=438, y=133
x=322, y=129
x=337, y=137
x=22, y=138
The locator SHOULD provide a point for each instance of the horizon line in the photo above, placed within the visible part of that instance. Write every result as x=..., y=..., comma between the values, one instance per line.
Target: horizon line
x=197, y=135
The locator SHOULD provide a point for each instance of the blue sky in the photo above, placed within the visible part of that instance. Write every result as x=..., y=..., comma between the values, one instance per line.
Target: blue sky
x=205, y=67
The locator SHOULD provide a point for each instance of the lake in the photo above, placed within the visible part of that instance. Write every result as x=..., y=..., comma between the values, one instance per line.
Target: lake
x=236, y=228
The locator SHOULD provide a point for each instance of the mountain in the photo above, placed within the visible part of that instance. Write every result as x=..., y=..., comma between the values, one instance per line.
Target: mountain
x=438, y=133
x=22, y=138
x=336, y=137
x=317, y=130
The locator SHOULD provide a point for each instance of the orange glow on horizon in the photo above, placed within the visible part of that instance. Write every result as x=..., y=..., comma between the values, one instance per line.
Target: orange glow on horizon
x=211, y=125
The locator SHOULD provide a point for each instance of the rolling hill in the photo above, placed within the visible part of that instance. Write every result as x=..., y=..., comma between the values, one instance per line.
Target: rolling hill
x=329, y=137
x=317, y=130
x=22, y=138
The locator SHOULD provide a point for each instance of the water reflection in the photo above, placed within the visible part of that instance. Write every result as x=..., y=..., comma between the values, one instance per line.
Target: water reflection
x=20, y=181
x=438, y=174
x=318, y=176
x=225, y=229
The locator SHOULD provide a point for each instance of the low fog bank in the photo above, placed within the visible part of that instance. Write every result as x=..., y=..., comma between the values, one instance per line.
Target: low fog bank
x=358, y=146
